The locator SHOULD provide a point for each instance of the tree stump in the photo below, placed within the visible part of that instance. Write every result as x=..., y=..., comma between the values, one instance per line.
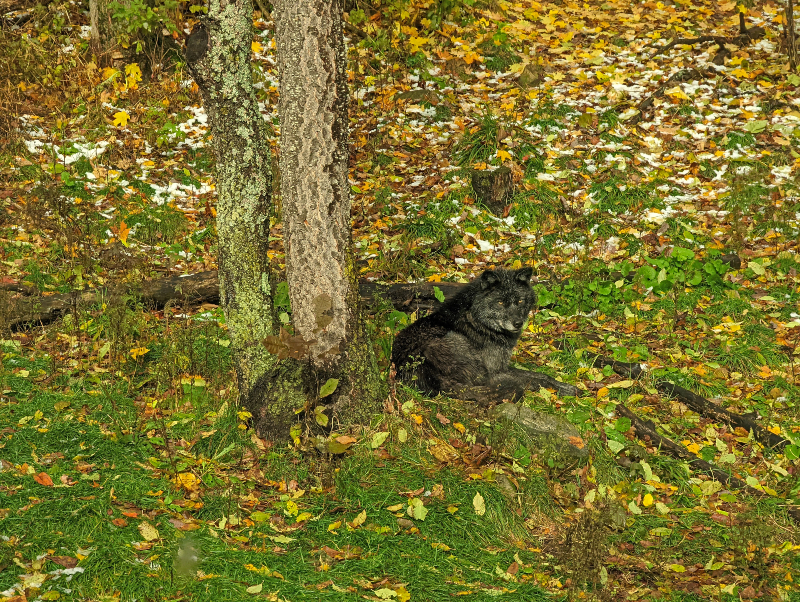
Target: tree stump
x=493, y=188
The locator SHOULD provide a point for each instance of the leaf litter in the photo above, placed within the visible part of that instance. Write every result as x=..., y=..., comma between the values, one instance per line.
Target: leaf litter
x=636, y=167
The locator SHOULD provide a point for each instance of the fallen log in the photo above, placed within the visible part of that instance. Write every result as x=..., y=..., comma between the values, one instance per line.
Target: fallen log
x=20, y=311
x=28, y=309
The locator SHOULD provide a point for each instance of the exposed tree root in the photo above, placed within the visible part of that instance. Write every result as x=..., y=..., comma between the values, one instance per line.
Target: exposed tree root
x=699, y=404
x=645, y=432
x=745, y=36
x=703, y=406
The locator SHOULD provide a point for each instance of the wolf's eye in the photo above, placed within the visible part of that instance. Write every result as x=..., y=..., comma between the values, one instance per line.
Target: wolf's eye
x=499, y=302
x=519, y=302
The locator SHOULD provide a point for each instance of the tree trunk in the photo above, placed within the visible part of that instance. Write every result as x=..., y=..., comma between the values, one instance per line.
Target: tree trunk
x=218, y=54
x=102, y=29
x=788, y=28
x=315, y=196
x=330, y=340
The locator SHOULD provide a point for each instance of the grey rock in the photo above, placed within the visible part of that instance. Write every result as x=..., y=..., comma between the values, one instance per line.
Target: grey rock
x=418, y=96
x=544, y=431
x=531, y=76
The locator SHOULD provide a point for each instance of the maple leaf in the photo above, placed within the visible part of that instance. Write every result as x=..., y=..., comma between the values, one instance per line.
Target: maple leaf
x=134, y=76
x=124, y=230
x=256, y=47
x=415, y=43
x=121, y=119
x=472, y=57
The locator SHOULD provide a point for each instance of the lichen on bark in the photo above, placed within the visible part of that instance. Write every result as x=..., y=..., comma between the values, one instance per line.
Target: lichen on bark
x=219, y=50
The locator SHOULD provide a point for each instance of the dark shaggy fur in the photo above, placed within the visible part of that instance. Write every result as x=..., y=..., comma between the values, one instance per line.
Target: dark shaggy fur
x=464, y=347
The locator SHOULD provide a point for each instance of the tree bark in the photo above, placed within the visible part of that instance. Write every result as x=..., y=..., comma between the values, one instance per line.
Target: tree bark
x=315, y=196
x=788, y=28
x=102, y=34
x=218, y=55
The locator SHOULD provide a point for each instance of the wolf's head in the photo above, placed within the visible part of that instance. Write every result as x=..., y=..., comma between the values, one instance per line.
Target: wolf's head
x=504, y=300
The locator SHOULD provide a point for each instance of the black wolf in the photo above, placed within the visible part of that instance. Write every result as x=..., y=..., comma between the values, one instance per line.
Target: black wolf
x=464, y=347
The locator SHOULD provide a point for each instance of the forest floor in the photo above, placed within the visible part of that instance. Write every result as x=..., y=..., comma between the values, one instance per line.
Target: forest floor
x=127, y=472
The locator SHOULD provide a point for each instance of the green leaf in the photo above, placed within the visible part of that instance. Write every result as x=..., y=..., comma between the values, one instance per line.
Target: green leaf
x=417, y=509
x=378, y=439
x=792, y=452
x=437, y=292
x=329, y=387
x=622, y=425
x=682, y=254
x=757, y=268
x=793, y=79
x=757, y=126
x=615, y=446
x=320, y=417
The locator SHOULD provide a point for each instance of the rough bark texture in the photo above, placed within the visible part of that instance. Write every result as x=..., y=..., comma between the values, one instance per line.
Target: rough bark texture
x=315, y=197
x=104, y=29
x=219, y=58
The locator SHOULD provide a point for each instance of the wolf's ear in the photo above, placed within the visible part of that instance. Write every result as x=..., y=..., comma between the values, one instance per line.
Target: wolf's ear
x=524, y=275
x=488, y=278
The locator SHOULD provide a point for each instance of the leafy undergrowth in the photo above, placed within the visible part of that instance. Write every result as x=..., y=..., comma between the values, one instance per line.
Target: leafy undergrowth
x=123, y=458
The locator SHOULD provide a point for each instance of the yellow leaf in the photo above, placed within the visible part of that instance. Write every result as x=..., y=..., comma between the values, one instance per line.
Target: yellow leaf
x=693, y=447
x=303, y=516
x=677, y=92
x=678, y=568
x=402, y=594
x=472, y=57
x=739, y=72
x=121, y=119
x=602, y=392
x=775, y=430
x=459, y=427
x=291, y=508
x=134, y=75
x=415, y=43
x=440, y=546
x=109, y=72
x=479, y=504
x=187, y=480
x=503, y=155
x=148, y=531
x=647, y=501
x=256, y=47
x=359, y=520
x=138, y=351
x=254, y=589
x=623, y=384
x=333, y=526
